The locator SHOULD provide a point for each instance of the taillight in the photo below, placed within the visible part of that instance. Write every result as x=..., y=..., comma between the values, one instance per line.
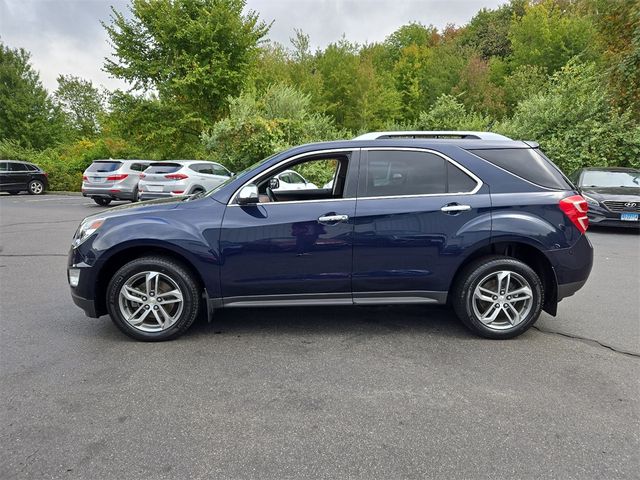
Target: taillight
x=119, y=176
x=85, y=178
x=576, y=207
x=176, y=176
x=142, y=175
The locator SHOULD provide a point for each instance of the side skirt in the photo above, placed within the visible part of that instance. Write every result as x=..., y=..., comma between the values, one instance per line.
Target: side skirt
x=314, y=299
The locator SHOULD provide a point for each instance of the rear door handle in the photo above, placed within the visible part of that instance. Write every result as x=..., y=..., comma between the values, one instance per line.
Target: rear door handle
x=332, y=219
x=455, y=208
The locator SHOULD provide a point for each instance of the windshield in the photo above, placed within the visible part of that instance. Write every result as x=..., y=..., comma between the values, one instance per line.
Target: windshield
x=603, y=178
x=104, y=166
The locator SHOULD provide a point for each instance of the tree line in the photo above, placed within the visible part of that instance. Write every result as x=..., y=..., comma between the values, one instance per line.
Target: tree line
x=206, y=84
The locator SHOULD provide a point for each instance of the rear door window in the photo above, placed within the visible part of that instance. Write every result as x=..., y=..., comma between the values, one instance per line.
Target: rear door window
x=220, y=170
x=392, y=173
x=527, y=163
x=160, y=168
x=3, y=166
x=104, y=166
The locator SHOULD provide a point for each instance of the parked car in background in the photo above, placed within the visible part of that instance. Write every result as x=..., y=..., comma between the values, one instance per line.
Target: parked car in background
x=292, y=180
x=490, y=227
x=613, y=195
x=107, y=180
x=16, y=177
x=181, y=177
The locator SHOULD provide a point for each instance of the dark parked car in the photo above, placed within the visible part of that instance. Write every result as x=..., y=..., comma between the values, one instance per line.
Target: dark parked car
x=490, y=227
x=613, y=195
x=16, y=177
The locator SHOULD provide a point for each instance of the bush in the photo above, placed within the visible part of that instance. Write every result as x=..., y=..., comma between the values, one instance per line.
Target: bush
x=66, y=163
x=259, y=127
x=450, y=114
x=575, y=123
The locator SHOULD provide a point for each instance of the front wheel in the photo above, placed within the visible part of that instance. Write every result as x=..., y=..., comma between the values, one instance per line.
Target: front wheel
x=103, y=202
x=153, y=299
x=36, y=187
x=498, y=297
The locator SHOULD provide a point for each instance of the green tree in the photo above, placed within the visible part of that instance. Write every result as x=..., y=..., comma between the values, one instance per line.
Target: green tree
x=27, y=112
x=81, y=102
x=575, y=123
x=548, y=36
x=161, y=130
x=194, y=52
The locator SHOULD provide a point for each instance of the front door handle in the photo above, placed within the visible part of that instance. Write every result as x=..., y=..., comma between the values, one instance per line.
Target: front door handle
x=332, y=219
x=454, y=208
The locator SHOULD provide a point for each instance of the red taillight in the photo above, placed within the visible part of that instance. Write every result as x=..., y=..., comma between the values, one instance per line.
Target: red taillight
x=85, y=178
x=178, y=192
x=119, y=176
x=176, y=176
x=576, y=207
x=142, y=175
x=46, y=174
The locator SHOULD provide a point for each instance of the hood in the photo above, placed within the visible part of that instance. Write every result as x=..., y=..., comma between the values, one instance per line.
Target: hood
x=613, y=193
x=148, y=206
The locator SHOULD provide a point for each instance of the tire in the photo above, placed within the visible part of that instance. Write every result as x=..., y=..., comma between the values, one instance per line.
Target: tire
x=512, y=314
x=103, y=202
x=36, y=187
x=136, y=196
x=153, y=321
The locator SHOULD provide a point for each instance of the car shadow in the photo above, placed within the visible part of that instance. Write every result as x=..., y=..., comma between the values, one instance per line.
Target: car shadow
x=378, y=320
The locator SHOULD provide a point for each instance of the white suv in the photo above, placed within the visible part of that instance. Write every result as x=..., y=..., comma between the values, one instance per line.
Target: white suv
x=180, y=177
x=107, y=180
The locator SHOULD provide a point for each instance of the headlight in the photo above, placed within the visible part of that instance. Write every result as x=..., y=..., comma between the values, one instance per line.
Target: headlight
x=591, y=201
x=86, y=229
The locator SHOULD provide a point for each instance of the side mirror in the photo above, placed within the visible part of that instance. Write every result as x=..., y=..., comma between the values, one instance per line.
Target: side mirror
x=248, y=195
x=274, y=183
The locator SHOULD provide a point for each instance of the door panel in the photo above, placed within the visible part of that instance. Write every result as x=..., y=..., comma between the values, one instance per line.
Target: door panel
x=283, y=249
x=410, y=244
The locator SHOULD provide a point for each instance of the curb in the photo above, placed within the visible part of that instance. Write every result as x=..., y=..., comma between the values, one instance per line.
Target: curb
x=56, y=192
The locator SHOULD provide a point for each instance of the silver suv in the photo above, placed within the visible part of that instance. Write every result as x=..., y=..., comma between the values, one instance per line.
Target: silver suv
x=181, y=177
x=107, y=180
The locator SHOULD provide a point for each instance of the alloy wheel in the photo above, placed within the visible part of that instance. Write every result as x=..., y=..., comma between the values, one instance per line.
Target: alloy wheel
x=151, y=301
x=36, y=188
x=502, y=300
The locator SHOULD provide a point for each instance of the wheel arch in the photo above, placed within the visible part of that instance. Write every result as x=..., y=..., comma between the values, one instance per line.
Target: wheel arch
x=528, y=254
x=122, y=256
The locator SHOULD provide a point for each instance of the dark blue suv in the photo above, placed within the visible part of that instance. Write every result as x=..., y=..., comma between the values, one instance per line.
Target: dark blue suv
x=490, y=227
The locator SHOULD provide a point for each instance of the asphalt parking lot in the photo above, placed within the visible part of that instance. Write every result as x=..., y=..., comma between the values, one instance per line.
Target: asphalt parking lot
x=385, y=392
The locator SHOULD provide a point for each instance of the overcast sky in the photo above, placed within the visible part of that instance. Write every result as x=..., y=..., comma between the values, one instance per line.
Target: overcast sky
x=65, y=36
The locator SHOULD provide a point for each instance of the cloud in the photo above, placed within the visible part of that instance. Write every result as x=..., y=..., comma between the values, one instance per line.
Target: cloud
x=66, y=37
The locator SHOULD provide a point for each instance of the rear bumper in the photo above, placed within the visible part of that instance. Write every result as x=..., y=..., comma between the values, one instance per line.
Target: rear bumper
x=572, y=267
x=154, y=195
x=113, y=193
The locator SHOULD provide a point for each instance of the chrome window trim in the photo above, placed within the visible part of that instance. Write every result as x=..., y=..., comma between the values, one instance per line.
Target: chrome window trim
x=479, y=182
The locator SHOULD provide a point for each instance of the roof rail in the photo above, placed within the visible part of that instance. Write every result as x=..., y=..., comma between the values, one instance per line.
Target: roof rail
x=432, y=134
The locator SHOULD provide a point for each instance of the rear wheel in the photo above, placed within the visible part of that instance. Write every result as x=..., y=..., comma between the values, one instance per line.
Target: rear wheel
x=136, y=195
x=103, y=202
x=36, y=187
x=153, y=299
x=498, y=297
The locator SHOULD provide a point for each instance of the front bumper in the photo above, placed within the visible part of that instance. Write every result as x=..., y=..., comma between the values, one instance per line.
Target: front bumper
x=601, y=217
x=86, y=304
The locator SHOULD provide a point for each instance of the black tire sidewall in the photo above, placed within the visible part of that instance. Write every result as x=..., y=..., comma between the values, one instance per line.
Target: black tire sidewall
x=103, y=202
x=178, y=274
x=463, y=295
